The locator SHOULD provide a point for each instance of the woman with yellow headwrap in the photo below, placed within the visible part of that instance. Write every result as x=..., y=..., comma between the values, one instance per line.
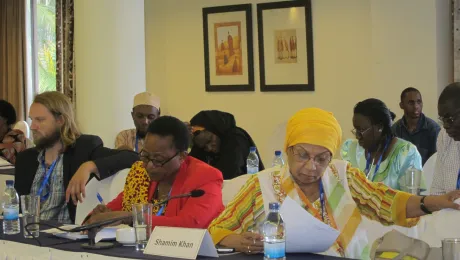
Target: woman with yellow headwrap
x=331, y=190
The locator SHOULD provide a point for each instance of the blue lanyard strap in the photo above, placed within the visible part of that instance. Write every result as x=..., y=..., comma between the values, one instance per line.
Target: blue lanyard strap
x=377, y=166
x=160, y=211
x=136, y=147
x=321, y=198
x=458, y=181
x=47, y=176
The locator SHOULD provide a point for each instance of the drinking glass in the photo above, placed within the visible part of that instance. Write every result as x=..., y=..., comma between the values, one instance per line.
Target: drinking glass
x=412, y=178
x=30, y=206
x=451, y=249
x=142, y=223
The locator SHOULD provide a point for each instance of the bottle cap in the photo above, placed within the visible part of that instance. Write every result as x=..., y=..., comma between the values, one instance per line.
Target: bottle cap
x=273, y=205
x=277, y=153
x=252, y=149
x=9, y=182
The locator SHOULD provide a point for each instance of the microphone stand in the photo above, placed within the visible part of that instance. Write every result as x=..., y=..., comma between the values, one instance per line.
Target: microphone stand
x=95, y=227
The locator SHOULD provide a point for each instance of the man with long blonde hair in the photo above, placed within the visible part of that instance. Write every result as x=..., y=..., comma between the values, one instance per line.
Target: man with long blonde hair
x=58, y=168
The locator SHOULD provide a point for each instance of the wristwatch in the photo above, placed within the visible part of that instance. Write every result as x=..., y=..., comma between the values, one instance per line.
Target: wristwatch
x=423, y=207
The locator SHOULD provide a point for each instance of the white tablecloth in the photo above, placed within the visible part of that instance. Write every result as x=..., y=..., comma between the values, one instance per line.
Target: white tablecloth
x=17, y=251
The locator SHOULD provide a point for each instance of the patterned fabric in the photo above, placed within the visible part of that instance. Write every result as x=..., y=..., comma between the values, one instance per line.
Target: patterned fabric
x=128, y=138
x=447, y=165
x=54, y=207
x=65, y=66
x=13, y=143
x=392, y=169
x=136, y=187
x=372, y=200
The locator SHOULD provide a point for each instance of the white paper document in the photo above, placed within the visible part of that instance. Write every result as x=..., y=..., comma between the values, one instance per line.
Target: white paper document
x=4, y=164
x=107, y=233
x=305, y=233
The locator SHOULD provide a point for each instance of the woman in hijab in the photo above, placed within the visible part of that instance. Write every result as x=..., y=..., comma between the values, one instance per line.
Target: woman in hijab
x=376, y=150
x=330, y=190
x=220, y=143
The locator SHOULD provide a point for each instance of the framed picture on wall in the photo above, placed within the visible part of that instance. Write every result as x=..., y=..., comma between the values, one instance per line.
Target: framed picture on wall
x=286, y=46
x=228, y=48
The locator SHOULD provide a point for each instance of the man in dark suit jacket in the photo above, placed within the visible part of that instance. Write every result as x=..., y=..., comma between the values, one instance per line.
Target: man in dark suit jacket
x=60, y=165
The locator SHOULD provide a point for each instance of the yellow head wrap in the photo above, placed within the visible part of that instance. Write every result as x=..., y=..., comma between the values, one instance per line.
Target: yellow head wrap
x=314, y=126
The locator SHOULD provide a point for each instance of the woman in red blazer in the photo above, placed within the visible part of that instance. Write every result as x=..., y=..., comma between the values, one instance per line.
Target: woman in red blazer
x=165, y=170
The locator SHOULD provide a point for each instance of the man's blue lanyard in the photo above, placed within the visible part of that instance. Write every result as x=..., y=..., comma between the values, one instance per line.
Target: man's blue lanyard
x=377, y=166
x=136, y=147
x=160, y=211
x=458, y=180
x=321, y=198
x=46, y=178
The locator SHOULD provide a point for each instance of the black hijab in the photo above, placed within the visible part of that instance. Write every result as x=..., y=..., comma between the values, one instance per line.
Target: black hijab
x=234, y=147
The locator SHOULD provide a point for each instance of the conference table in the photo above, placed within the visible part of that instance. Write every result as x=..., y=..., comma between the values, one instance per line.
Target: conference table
x=20, y=248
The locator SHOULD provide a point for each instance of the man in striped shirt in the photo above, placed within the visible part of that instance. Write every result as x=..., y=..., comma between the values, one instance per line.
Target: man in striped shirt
x=446, y=176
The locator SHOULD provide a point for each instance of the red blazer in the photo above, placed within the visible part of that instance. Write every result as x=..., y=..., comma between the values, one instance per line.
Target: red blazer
x=188, y=212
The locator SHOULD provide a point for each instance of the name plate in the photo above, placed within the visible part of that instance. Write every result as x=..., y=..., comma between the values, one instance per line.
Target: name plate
x=184, y=243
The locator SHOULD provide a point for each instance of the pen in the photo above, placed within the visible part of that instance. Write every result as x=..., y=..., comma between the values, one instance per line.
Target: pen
x=99, y=197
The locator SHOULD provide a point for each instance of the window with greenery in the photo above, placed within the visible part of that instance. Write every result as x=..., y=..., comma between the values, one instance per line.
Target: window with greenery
x=45, y=26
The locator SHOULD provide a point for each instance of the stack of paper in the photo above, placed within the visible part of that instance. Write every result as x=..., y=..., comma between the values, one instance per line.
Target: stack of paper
x=305, y=233
x=4, y=164
x=107, y=233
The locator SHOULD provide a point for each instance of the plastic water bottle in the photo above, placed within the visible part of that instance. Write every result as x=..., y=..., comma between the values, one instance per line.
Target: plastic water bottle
x=274, y=236
x=278, y=160
x=252, y=162
x=10, y=206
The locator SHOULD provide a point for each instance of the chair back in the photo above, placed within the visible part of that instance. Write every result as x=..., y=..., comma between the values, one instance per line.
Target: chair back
x=428, y=172
x=232, y=187
x=114, y=184
x=108, y=189
x=24, y=127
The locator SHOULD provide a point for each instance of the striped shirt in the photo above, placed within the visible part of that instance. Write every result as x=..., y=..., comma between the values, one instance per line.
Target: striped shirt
x=127, y=138
x=54, y=207
x=447, y=165
x=374, y=200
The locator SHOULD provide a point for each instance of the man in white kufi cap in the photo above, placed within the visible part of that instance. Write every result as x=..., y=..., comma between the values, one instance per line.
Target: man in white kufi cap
x=146, y=108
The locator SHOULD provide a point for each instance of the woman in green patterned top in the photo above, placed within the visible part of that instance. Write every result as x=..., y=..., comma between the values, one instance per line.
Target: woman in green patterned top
x=376, y=151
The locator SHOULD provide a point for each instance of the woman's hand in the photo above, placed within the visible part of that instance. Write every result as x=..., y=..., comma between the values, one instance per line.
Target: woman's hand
x=248, y=242
x=101, y=208
x=446, y=201
x=432, y=203
x=106, y=216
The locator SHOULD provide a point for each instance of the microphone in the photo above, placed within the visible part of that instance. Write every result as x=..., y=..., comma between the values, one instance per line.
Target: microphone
x=193, y=194
x=93, y=228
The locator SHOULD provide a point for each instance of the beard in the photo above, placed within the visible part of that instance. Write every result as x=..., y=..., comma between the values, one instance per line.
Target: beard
x=141, y=134
x=48, y=141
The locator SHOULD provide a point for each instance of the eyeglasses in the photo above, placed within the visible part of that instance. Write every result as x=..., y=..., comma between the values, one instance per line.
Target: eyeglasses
x=144, y=156
x=448, y=120
x=356, y=132
x=301, y=156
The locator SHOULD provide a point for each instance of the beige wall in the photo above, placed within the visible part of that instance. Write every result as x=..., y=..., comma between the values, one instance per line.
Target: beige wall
x=110, y=62
x=363, y=48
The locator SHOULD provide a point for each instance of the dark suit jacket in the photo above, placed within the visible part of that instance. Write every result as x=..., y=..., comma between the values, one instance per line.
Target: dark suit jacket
x=86, y=148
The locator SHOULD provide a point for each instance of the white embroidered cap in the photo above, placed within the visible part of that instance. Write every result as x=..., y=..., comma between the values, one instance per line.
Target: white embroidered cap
x=146, y=98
